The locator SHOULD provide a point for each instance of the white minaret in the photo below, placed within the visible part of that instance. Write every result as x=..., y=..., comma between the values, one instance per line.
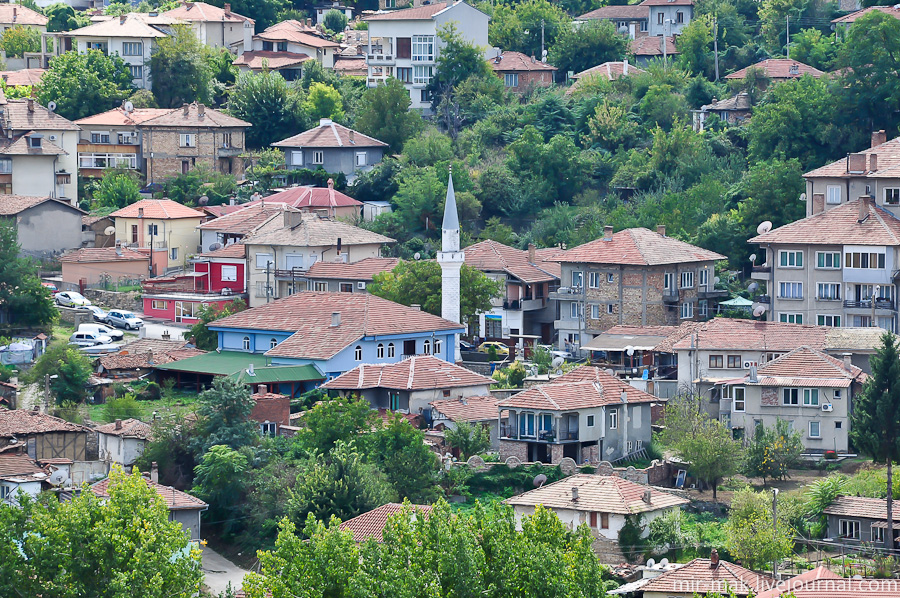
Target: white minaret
x=451, y=260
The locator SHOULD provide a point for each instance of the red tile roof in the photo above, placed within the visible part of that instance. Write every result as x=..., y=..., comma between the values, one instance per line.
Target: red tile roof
x=839, y=588
x=839, y=226
x=209, y=118
x=128, y=428
x=235, y=250
x=329, y=134
x=888, y=154
x=609, y=71
x=25, y=422
x=157, y=209
x=16, y=14
x=751, y=335
x=422, y=372
x=804, y=581
x=297, y=37
x=598, y=493
x=311, y=230
x=118, y=116
x=778, y=68
x=597, y=390
x=13, y=464
x=370, y=525
x=15, y=204
x=24, y=77
x=126, y=26
x=419, y=13
x=469, y=409
x=491, y=256
x=808, y=367
x=243, y=221
x=699, y=577
x=293, y=25
x=20, y=118
x=309, y=315
x=304, y=197
x=518, y=62
x=364, y=270
x=175, y=500
x=103, y=254
x=221, y=210
x=351, y=67
x=624, y=12
x=21, y=147
x=127, y=360
x=201, y=11
x=860, y=506
x=257, y=60
x=893, y=11
x=638, y=247
x=652, y=46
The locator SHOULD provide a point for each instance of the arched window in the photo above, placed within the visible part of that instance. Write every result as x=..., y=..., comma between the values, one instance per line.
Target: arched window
x=357, y=353
x=426, y=347
x=390, y=350
x=273, y=343
x=379, y=351
x=438, y=345
x=246, y=343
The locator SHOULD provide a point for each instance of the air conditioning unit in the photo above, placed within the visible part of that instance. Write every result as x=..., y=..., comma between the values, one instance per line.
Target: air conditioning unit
x=52, y=137
x=360, y=285
x=749, y=364
x=827, y=407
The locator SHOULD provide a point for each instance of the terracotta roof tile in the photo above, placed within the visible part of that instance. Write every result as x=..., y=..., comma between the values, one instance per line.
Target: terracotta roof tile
x=194, y=118
x=39, y=119
x=243, y=221
x=157, y=209
x=779, y=68
x=839, y=226
x=888, y=160
x=118, y=116
x=364, y=270
x=609, y=71
x=313, y=231
x=201, y=11
x=351, y=67
x=222, y=210
x=625, y=11
x=831, y=585
x=145, y=359
x=293, y=25
x=598, y=493
x=638, y=247
x=21, y=147
x=103, y=254
x=860, y=506
x=24, y=422
x=175, y=500
x=800, y=581
x=16, y=14
x=807, y=367
x=129, y=428
x=156, y=345
x=583, y=388
x=491, y=256
x=14, y=204
x=234, y=250
x=419, y=13
x=309, y=315
x=370, y=525
x=516, y=61
x=422, y=372
x=258, y=60
x=652, y=46
x=13, y=464
x=298, y=37
x=469, y=409
x=24, y=77
x=750, y=335
x=329, y=134
x=127, y=26
x=699, y=577
x=893, y=11
x=304, y=197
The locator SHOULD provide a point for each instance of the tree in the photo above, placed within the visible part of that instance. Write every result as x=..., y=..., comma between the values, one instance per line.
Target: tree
x=270, y=104
x=220, y=481
x=118, y=188
x=17, y=40
x=399, y=450
x=62, y=17
x=204, y=338
x=875, y=420
x=470, y=439
x=82, y=84
x=323, y=101
x=333, y=420
x=593, y=43
x=224, y=414
x=335, y=21
x=751, y=536
x=695, y=47
x=773, y=451
x=812, y=48
x=117, y=547
x=23, y=300
x=510, y=23
x=384, y=114
x=181, y=74
x=69, y=370
x=419, y=282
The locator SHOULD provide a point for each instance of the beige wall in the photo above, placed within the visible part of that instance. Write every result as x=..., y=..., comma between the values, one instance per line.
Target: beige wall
x=178, y=233
x=73, y=272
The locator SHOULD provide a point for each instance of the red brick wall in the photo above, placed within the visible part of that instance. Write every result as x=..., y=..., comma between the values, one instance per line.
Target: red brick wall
x=272, y=410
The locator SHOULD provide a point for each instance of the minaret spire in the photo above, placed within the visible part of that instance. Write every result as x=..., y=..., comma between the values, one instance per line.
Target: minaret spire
x=451, y=260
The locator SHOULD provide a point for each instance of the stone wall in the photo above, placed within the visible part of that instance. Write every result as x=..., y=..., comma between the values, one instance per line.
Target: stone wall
x=76, y=317
x=511, y=448
x=114, y=299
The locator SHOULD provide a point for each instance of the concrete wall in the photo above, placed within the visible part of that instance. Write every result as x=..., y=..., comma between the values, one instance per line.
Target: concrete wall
x=180, y=234
x=333, y=159
x=113, y=300
x=93, y=272
x=48, y=229
x=189, y=520
x=117, y=449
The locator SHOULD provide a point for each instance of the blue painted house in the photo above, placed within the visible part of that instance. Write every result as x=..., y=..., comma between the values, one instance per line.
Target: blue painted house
x=336, y=331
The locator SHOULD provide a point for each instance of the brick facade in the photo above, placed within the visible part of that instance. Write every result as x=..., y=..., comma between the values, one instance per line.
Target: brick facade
x=271, y=407
x=166, y=157
x=769, y=397
x=512, y=448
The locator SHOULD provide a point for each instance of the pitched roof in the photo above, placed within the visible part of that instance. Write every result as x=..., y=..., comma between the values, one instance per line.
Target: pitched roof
x=201, y=11
x=625, y=11
x=16, y=14
x=195, y=117
x=329, y=134
x=257, y=60
x=516, y=61
x=24, y=77
x=491, y=256
x=128, y=428
x=749, y=335
x=234, y=250
x=103, y=254
x=119, y=116
x=807, y=367
x=860, y=506
x=21, y=147
x=823, y=583
x=313, y=231
x=700, y=577
x=296, y=36
x=222, y=209
x=14, y=204
x=856, y=340
x=157, y=209
x=294, y=25
x=652, y=46
x=24, y=422
x=888, y=160
x=419, y=13
x=422, y=372
x=175, y=500
x=124, y=26
x=20, y=118
x=243, y=221
x=596, y=390
x=800, y=582
x=667, y=3
x=303, y=197
x=364, y=270
x=779, y=68
x=740, y=101
x=309, y=315
x=638, y=247
x=893, y=11
x=128, y=360
x=351, y=67
x=156, y=345
x=609, y=71
x=839, y=226
x=468, y=409
x=370, y=525
x=599, y=493
x=12, y=464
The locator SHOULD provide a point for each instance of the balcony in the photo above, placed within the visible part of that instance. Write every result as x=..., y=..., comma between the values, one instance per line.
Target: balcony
x=375, y=81
x=707, y=293
x=565, y=293
x=63, y=178
x=228, y=152
x=565, y=435
x=764, y=299
x=532, y=304
x=381, y=58
x=867, y=304
x=670, y=295
x=513, y=304
x=290, y=274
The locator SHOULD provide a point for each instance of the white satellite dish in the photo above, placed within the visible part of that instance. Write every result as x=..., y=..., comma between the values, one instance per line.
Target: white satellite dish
x=760, y=310
x=109, y=231
x=129, y=107
x=203, y=200
x=753, y=257
x=664, y=562
x=752, y=286
x=623, y=30
x=559, y=372
x=803, y=197
x=763, y=227
x=215, y=246
x=716, y=280
x=51, y=105
x=650, y=563
x=417, y=255
x=610, y=371
x=58, y=478
x=557, y=362
x=630, y=350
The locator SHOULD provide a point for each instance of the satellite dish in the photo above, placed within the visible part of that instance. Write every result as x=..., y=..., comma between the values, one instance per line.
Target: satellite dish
x=51, y=105
x=417, y=255
x=129, y=107
x=109, y=230
x=716, y=280
x=203, y=200
x=557, y=361
x=58, y=478
x=759, y=310
x=630, y=350
x=803, y=197
x=752, y=286
x=610, y=371
x=559, y=372
x=215, y=246
x=650, y=563
x=664, y=562
x=539, y=480
x=752, y=257
x=763, y=227
x=533, y=371
x=623, y=30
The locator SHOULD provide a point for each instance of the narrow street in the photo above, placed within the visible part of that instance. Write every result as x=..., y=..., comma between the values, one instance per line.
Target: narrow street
x=219, y=572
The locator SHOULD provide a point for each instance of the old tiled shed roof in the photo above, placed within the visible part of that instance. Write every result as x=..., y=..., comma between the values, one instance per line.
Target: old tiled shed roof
x=652, y=46
x=313, y=231
x=370, y=525
x=243, y=221
x=638, y=247
x=329, y=134
x=14, y=204
x=518, y=62
x=421, y=372
x=25, y=422
x=419, y=13
x=807, y=367
x=779, y=68
x=364, y=270
x=862, y=507
x=567, y=396
x=699, y=576
x=103, y=254
x=175, y=500
x=491, y=256
x=257, y=60
x=624, y=12
x=468, y=409
x=750, y=335
x=128, y=428
x=598, y=493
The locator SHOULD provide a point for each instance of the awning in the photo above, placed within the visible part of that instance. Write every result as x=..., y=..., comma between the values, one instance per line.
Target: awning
x=737, y=302
x=618, y=342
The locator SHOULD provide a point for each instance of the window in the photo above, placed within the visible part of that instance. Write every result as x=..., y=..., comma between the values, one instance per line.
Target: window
x=134, y=233
x=814, y=431
x=404, y=74
x=679, y=17
x=346, y=287
x=357, y=353
x=268, y=429
x=136, y=70
x=892, y=196
x=153, y=230
x=687, y=311
x=687, y=280
x=610, y=308
x=187, y=140
x=837, y=425
x=423, y=48
x=837, y=394
x=297, y=158
x=226, y=139
x=229, y=273
x=790, y=259
x=594, y=280
x=268, y=46
x=614, y=418
x=361, y=159
x=590, y=421
x=849, y=528
x=643, y=25
x=404, y=47
x=790, y=290
x=864, y=260
x=577, y=279
x=609, y=277
x=829, y=291
x=263, y=260
x=390, y=3
x=660, y=18
x=833, y=194
x=738, y=401
x=734, y=361
x=425, y=95
x=395, y=401
x=828, y=260
x=5, y=165
x=704, y=277
x=790, y=396
x=99, y=136
x=620, y=24
x=173, y=254
x=390, y=350
x=422, y=74
x=511, y=79
x=245, y=343
x=575, y=310
x=320, y=286
x=877, y=534
x=426, y=347
x=379, y=351
x=668, y=277
x=828, y=320
x=595, y=311
x=790, y=318
x=282, y=46
x=703, y=308
x=185, y=166
x=318, y=157
x=438, y=346
x=604, y=520
x=716, y=361
x=157, y=304
x=526, y=424
x=810, y=397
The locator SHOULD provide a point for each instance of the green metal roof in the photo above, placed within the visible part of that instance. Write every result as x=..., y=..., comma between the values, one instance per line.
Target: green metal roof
x=278, y=373
x=216, y=363
x=737, y=302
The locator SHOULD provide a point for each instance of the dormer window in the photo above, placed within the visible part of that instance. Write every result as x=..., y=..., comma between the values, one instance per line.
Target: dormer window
x=34, y=141
x=795, y=69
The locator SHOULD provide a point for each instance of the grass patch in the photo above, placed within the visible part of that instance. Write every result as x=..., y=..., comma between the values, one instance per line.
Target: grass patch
x=177, y=402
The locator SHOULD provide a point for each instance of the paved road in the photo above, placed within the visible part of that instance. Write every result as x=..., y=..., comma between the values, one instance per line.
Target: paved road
x=219, y=571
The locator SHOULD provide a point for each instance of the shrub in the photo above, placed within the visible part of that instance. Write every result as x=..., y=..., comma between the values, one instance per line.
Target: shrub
x=123, y=407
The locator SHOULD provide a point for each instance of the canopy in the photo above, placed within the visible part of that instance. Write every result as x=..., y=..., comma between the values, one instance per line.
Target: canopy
x=737, y=302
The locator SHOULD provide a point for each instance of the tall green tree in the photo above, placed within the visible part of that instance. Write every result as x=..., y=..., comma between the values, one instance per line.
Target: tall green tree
x=181, y=73
x=204, y=338
x=580, y=48
x=335, y=21
x=695, y=47
x=118, y=188
x=62, y=17
x=384, y=114
x=875, y=419
x=224, y=416
x=773, y=451
x=333, y=420
x=517, y=26
x=71, y=368
x=399, y=450
x=220, y=480
x=23, y=300
x=469, y=438
x=323, y=101
x=82, y=84
x=17, y=40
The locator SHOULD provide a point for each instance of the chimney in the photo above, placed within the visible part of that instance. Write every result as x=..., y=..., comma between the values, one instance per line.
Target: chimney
x=661, y=230
x=753, y=377
x=154, y=472
x=647, y=497
x=30, y=104
x=863, y=209
x=531, y=250
x=352, y=136
x=878, y=137
x=624, y=396
x=140, y=212
x=325, y=122
x=14, y=13
x=848, y=364
x=186, y=108
x=331, y=183
x=118, y=424
x=856, y=163
x=607, y=233
x=227, y=8
x=262, y=389
x=625, y=67
x=714, y=559
x=574, y=493
x=122, y=19
x=201, y=109
x=335, y=319
x=873, y=162
x=416, y=306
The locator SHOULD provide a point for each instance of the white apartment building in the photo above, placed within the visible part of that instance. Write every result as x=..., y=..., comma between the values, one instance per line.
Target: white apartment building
x=668, y=17
x=404, y=44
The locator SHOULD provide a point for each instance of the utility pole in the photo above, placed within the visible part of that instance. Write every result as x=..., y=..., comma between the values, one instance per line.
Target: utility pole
x=775, y=528
x=268, y=286
x=787, y=33
x=542, y=41
x=716, y=45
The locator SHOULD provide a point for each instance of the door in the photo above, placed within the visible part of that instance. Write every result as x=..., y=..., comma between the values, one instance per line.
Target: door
x=409, y=348
x=179, y=311
x=404, y=47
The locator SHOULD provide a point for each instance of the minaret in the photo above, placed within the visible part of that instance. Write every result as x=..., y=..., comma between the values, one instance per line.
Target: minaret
x=451, y=260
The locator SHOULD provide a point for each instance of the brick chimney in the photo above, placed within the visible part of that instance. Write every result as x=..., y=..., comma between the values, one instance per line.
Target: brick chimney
x=873, y=162
x=335, y=319
x=352, y=134
x=201, y=109
x=863, y=209
x=154, y=472
x=227, y=8
x=262, y=389
x=186, y=108
x=848, y=363
x=856, y=162
x=661, y=230
x=14, y=13
x=30, y=102
x=878, y=137
x=607, y=233
x=714, y=559
x=531, y=250
x=122, y=19
x=118, y=424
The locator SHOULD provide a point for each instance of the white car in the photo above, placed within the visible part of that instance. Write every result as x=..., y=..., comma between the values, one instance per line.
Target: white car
x=123, y=319
x=115, y=335
x=71, y=299
x=86, y=338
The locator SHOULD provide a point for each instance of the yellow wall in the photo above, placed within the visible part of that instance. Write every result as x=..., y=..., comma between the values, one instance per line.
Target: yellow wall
x=181, y=233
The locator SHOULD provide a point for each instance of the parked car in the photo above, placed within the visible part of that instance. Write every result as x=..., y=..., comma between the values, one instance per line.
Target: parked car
x=500, y=347
x=99, y=314
x=85, y=338
x=123, y=319
x=71, y=299
x=102, y=330
x=53, y=289
x=466, y=346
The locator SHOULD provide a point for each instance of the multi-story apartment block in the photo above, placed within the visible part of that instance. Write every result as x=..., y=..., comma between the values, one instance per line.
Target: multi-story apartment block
x=634, y=277
x=669, y=17
x=404, y=44
x=215, y=26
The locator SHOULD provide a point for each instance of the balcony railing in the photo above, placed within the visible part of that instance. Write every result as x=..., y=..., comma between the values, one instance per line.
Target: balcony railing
x=762, y=268
x=867, y=304
x=670, y=295
x=291, y=273
x=512, y=304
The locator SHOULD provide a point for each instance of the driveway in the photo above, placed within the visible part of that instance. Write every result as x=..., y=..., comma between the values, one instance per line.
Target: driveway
x=219, y=571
